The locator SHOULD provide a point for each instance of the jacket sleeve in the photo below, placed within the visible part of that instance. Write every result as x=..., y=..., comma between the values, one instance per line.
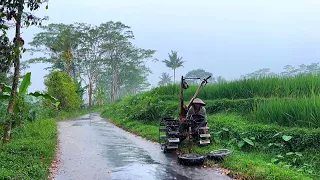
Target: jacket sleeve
x=190, y=111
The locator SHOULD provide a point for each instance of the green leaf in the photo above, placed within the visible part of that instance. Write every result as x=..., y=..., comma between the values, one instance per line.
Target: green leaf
x=248, y=141
x=275, y=144
x=240, y=144
x=46, y=96
x=289, y=153
x=5, y=88
x=298, y=154
x=294, y=160
x=276, y=134
x=273, y=160
x=16, y=108
x=225, y=129
x=309, y=171
x=4, y=96
x=57, y=104
x=286, y=138
x=25, y=83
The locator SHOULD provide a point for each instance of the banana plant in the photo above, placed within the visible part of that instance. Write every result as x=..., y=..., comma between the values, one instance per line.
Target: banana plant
x=25, y=83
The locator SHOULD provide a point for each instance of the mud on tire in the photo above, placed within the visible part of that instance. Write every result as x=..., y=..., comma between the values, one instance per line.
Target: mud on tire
x=191, y=159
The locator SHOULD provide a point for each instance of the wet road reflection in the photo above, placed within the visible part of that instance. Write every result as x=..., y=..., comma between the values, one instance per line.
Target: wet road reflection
x=93, y=148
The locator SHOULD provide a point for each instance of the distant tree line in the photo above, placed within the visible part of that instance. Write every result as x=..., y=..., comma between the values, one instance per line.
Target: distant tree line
x=102, y=57
x=289, y=71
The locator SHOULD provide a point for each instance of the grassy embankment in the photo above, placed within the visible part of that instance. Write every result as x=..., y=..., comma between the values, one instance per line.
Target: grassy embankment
x=29, y=153
x=271, y=124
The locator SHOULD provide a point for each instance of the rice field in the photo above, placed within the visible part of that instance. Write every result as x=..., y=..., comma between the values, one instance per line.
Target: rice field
x=292, y=112
x=289, y=101
x=303, y=85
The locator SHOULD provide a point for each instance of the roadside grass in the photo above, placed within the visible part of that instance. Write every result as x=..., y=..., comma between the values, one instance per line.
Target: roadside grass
x=249, y=165
x=29, y=153
x=244, y=164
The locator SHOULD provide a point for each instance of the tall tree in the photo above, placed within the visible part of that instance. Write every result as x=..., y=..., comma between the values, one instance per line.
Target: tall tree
x=88, y=55
x=198, y=73
x=118, y=51
x=133, y=78
x=14, y=11
x=174, y=62
x=59, y=42
x=264, y=72
x=289, y=71
x=165, y=79
x=313, y=68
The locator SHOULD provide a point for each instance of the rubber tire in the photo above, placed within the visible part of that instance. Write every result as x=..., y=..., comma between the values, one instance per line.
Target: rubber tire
x=191, y=159
x=218, y=155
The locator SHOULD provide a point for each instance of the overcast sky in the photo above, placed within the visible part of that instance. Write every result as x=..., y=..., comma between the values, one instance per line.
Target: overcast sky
x=227, y=38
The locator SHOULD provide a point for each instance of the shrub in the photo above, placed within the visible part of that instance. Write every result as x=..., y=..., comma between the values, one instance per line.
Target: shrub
x=237, y=127
x=61, y=86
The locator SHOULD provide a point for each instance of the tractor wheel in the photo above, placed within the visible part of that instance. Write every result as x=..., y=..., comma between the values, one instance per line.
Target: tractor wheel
x=191, y=159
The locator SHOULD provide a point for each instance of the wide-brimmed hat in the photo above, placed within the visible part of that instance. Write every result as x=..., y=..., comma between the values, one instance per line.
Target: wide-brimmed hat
x=198, y=101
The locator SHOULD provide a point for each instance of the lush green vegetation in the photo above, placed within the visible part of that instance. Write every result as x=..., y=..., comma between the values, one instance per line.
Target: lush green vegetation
x=296, y=112
x=274, y=133
x=30, y=152
x=302, y=85
x=56, y=83
x=272, y=122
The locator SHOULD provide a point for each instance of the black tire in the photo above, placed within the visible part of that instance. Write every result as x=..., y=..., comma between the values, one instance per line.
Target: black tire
x=218, y=155
x=191, y=159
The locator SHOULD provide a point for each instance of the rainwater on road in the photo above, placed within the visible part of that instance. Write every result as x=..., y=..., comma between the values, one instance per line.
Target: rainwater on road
x=92, y=148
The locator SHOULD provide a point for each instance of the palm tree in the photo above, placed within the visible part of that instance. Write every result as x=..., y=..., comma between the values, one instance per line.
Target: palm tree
x=164, y=79
x=174, y=62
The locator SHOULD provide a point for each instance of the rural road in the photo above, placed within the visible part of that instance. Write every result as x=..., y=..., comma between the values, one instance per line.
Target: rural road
x=91, y=148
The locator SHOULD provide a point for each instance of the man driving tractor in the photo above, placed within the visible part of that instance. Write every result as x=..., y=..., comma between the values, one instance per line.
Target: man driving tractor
x=190, y=124
x=197, y=108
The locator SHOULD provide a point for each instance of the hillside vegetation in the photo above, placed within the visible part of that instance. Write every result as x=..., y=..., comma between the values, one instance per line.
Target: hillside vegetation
x=271, y=124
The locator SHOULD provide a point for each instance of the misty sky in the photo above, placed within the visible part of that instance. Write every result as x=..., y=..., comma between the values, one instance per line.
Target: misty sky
x=227, y=38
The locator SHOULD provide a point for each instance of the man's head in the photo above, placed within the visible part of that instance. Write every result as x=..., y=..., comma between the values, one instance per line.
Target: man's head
x=197, y=104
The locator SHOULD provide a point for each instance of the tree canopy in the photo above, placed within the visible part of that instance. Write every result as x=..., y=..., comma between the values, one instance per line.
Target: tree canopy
x=198, y=73
x=87, y=52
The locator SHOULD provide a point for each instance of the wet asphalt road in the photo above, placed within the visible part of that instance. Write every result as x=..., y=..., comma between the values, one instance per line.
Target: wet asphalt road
x=91, y=148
